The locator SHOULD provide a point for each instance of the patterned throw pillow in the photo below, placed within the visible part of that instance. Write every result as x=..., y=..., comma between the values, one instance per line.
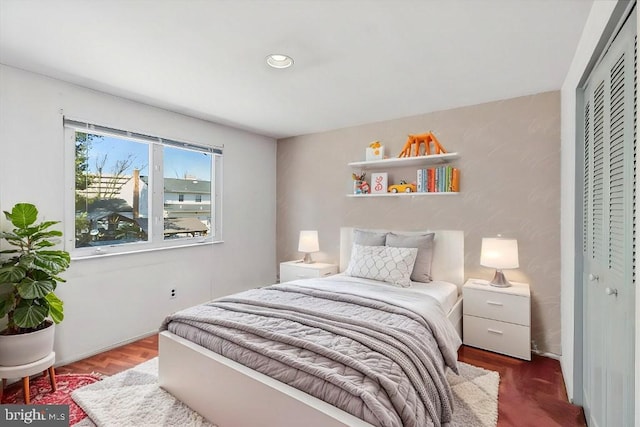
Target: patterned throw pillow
x=384, y=263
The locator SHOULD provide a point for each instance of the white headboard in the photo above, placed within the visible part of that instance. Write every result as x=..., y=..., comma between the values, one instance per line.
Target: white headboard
x=448, y=252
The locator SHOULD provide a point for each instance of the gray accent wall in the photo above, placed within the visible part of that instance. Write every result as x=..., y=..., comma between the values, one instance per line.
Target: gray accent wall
x=510, y=184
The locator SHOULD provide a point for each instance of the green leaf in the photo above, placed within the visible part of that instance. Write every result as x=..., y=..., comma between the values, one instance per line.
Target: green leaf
x=51, y=262
x=40, y=275
x=58, y=279
x=29, y=314
x=9, y=251
x=26, y=232
x=46, y=224
x=8, y=235
x=62, y=255
x=43, y=244
x=7, y=298
x=6, y=289
x=6, y=305
x=31, y=289
x=55, y=308
x=23, y=215
x=45, y=235
x=26, y=261
x=12, y=238
x=12, y=274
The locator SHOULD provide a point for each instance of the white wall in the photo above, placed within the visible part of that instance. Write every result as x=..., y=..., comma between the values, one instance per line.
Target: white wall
x=116, y=299
x=599, y=17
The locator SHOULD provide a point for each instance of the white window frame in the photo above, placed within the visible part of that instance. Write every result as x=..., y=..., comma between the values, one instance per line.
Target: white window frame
x=156, y=240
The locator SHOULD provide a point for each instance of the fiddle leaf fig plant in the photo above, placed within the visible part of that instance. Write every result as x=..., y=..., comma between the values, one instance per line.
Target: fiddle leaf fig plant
x=29, y=273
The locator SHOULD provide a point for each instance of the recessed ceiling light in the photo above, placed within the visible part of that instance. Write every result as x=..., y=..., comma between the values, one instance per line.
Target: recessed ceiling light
x=277, y=60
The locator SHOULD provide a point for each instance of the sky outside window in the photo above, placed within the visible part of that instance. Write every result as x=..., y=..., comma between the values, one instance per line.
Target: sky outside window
x=106, y=152
x=180, y=163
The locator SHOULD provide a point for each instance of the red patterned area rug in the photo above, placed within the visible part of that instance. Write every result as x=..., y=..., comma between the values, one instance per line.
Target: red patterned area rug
x=40, y=390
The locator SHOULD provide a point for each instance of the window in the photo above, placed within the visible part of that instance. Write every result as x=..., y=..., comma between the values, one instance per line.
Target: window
x=134, y=192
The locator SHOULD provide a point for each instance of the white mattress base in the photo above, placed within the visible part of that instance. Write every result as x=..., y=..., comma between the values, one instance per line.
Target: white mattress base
x=230, y=394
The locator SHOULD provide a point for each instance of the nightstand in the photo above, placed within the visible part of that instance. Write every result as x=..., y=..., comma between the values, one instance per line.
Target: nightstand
x=292, y=270
x=497, y=319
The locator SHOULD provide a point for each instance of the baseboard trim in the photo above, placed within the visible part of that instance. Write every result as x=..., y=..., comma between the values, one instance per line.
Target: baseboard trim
x=103, y=349
x=546, y=354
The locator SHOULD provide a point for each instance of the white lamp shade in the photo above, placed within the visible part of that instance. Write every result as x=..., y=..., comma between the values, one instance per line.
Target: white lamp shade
x=499, y=253
x=308, y=241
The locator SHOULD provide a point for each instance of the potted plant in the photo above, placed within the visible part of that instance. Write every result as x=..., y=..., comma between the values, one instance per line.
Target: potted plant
x=29, y=273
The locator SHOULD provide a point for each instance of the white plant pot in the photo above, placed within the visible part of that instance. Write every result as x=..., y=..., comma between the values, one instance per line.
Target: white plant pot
x=16, y=350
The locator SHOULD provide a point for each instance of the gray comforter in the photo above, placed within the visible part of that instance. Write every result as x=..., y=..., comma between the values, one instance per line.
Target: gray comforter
x=381, y=362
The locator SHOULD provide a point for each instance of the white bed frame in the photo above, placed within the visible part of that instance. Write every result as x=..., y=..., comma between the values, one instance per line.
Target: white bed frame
x=447, y=264
x=231, y=395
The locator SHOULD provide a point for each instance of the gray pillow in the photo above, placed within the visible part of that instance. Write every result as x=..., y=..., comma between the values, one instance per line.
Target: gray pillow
x=369, y=238
x=424, y=242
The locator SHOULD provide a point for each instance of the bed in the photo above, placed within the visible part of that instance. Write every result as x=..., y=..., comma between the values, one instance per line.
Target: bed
x=231, y=394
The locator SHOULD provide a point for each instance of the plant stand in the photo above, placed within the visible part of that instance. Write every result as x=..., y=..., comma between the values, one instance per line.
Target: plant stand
x=25, y=371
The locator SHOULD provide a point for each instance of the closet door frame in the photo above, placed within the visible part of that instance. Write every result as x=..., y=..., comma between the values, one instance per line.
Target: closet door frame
x=616, y=22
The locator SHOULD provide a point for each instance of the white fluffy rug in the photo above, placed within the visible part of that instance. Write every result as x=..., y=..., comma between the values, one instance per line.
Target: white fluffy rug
x=475, y=392
x=133, y=398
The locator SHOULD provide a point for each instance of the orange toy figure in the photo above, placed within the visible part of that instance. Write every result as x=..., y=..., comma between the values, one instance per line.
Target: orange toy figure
x=427, y=139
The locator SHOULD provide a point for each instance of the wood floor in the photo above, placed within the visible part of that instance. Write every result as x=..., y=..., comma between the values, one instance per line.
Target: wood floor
x=531, y=393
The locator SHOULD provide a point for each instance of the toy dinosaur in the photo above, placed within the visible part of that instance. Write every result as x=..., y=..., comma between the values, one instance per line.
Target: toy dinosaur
x=427, y=139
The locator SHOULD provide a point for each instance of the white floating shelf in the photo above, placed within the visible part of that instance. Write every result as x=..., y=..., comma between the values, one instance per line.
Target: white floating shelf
x=441, y=193
x=396, y=162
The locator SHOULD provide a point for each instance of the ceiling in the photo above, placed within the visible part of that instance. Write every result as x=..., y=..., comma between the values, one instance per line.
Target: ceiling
x=355, y=61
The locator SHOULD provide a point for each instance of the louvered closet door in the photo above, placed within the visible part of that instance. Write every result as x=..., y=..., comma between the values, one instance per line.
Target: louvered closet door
x=608, y=235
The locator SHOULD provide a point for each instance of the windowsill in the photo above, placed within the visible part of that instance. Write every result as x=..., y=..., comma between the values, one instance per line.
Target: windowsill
x=138, y=251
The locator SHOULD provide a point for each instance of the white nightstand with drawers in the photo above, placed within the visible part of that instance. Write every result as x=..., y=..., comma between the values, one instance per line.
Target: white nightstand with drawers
x=293, y=270
x=497, y=319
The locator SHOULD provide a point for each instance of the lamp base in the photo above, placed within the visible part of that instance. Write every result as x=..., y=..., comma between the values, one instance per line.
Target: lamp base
x=307, y=258
x=499, y=280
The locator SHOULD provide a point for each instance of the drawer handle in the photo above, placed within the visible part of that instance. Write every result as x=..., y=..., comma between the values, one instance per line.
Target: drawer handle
x=301, y=276
x=494, y=303
x=494, y=331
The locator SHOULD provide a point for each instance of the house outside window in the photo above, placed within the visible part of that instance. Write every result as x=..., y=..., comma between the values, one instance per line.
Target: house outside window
x=129, y=191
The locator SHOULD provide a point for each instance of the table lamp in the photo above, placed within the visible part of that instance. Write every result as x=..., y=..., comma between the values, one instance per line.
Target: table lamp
x=499, y=253
x=308, y=243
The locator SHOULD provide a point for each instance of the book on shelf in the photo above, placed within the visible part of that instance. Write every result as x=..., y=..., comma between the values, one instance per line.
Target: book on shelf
x=432, y=180
x=442, y=179
x=455, y=180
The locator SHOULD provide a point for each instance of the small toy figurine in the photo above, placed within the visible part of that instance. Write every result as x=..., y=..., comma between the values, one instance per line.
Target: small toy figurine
x=418, y=140
x=360, y=186
x=358, y=177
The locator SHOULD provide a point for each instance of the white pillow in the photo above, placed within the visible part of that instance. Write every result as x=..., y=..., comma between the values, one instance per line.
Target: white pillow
x=384, y=263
